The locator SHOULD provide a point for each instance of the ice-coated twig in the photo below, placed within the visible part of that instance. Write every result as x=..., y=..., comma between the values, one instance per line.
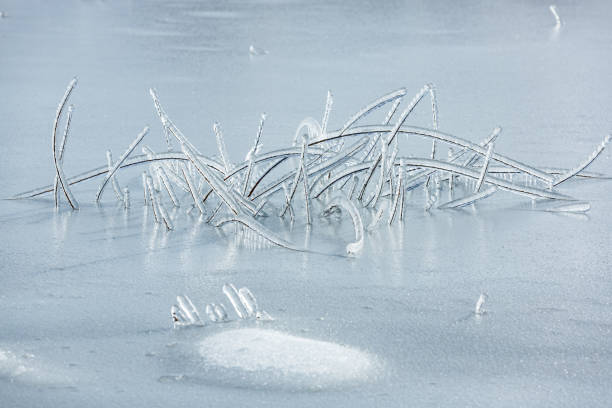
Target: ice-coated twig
x=58, y=165
x=377, y=217
x=126, y=197
x=222, y=149
x=124, y=156
x=163, y=177
x=555, y=12
x=114, y=182
x=217, y=185
x=392, y=133
x=571, y=173
x=152, y=200
x=479, y=308
x=397, y=199
x=483, y=171
x=61, y=151
x=216, y=312
x=462, y=202
x=339, y=200
x=328, y=105
x=194, y=193
x=252, y=153
x=258, y=228
x=448, y=138
x=434, y=113
x=144, y=186
x=377, y=103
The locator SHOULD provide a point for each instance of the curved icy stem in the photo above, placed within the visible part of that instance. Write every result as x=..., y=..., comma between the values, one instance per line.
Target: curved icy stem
x=124, y=156
x=340, y=200
x=462, y=202
x=259, y=229
x=58, y=165
x=61, y=152
x=571, y=173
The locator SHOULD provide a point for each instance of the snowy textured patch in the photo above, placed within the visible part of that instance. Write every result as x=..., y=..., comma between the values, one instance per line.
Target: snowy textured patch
x=268, y=358
x=25, y=369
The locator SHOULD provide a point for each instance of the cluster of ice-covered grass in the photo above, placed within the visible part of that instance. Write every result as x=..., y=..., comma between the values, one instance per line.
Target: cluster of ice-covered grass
x=357, y=167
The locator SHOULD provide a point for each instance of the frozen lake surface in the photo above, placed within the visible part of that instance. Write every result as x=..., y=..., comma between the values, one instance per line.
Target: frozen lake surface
x=85, y=295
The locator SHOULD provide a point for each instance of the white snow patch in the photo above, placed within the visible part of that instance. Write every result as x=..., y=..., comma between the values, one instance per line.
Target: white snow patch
x=271, y=358
x=26, y=369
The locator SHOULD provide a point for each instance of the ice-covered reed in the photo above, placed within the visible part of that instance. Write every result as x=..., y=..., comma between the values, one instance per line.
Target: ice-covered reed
x=555, y=12
x=360, y=165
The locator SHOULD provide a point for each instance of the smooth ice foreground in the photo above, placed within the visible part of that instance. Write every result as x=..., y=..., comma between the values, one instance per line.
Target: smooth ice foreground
x=269, y=358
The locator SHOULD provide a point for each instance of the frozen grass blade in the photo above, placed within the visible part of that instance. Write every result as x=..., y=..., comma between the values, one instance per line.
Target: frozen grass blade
x=571, y=173
x=222, y=149
x=259, y=229
x=58, y=165
x=342, y=202
x=61, y=152
x=114, y=182
x=124, y=156
x=472, y=198
x=485, y=166
x=194, y=194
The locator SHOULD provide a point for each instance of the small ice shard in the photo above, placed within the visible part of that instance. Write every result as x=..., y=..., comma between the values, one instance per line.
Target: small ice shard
x=479, y=309
x=220, y=312
x=248, y=301
x=210, y=312
x=185, y=314
x=577, y=207
x=232, y=295
x=253, y=50
x=2, y=14
x=555, y=13
x=126, y=197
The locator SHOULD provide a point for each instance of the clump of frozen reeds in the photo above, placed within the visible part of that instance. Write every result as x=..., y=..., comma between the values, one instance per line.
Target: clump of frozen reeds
x=360, y=166
x=242, y=300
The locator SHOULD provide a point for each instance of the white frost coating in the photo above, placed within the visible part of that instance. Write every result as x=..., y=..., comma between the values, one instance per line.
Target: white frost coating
x=555, y=13
x=27, y=370
x=479, y=308
x=271, y=358
x=341, y=201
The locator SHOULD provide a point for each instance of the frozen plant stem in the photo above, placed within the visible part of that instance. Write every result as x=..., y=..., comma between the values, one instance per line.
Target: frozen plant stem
x=58, y=165
x=124, y=156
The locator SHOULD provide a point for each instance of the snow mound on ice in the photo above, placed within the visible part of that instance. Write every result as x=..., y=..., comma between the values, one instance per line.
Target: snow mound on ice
x=268, y=358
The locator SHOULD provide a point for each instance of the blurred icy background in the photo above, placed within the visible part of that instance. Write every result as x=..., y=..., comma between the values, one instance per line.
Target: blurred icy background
x=85, y=295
